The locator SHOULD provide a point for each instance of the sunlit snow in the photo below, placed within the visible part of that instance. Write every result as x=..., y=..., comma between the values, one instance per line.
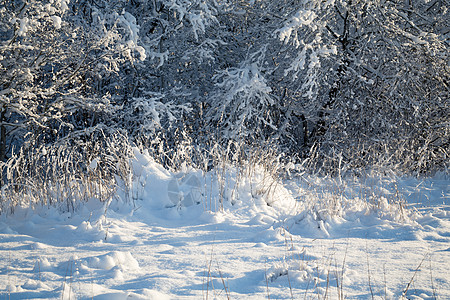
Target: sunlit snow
x=237, y=243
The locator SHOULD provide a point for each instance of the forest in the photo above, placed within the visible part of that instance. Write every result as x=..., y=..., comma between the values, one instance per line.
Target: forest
x=331, y=85
x=224, y=149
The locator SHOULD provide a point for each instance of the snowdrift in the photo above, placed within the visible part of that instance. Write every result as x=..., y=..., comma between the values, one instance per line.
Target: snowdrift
x=223, y=234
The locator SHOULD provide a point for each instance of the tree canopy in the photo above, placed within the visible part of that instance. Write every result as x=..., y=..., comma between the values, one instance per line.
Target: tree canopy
x=365, y=81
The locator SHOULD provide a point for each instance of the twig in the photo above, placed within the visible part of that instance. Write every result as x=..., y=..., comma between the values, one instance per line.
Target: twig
x=341, y=295
x=412, y=278
x=384, y=278
x=368, y=272
x=433, y=288
x=267, y=281
x=223, y=281
x=209, y=272
x=287, y=266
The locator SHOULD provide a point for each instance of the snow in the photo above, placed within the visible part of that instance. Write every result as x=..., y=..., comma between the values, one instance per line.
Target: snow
x=94, y=163
x=56, y=21
x=24, y=27
x=64, y=4
x=128, y=21
x=251, y=238
x=302, y=18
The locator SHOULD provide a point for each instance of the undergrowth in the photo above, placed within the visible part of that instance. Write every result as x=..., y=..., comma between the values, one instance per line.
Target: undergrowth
x=94, y=164
x=66, y=173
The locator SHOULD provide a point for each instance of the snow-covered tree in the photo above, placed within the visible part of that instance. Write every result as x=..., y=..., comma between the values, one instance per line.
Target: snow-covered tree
x=242, y=101
x=372, y=74
x=170, y=35
x=343, y=74
x=54, y=63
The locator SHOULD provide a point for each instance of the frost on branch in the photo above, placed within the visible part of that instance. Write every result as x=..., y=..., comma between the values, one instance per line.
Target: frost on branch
x=199, y=13
x=243, y=100
x=55, y=65
x=364, y=70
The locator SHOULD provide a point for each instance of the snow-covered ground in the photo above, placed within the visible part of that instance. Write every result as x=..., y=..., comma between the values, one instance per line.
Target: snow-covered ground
x=307, y=238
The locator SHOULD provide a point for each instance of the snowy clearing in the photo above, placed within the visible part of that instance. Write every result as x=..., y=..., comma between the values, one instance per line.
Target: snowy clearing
x=309, y=242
